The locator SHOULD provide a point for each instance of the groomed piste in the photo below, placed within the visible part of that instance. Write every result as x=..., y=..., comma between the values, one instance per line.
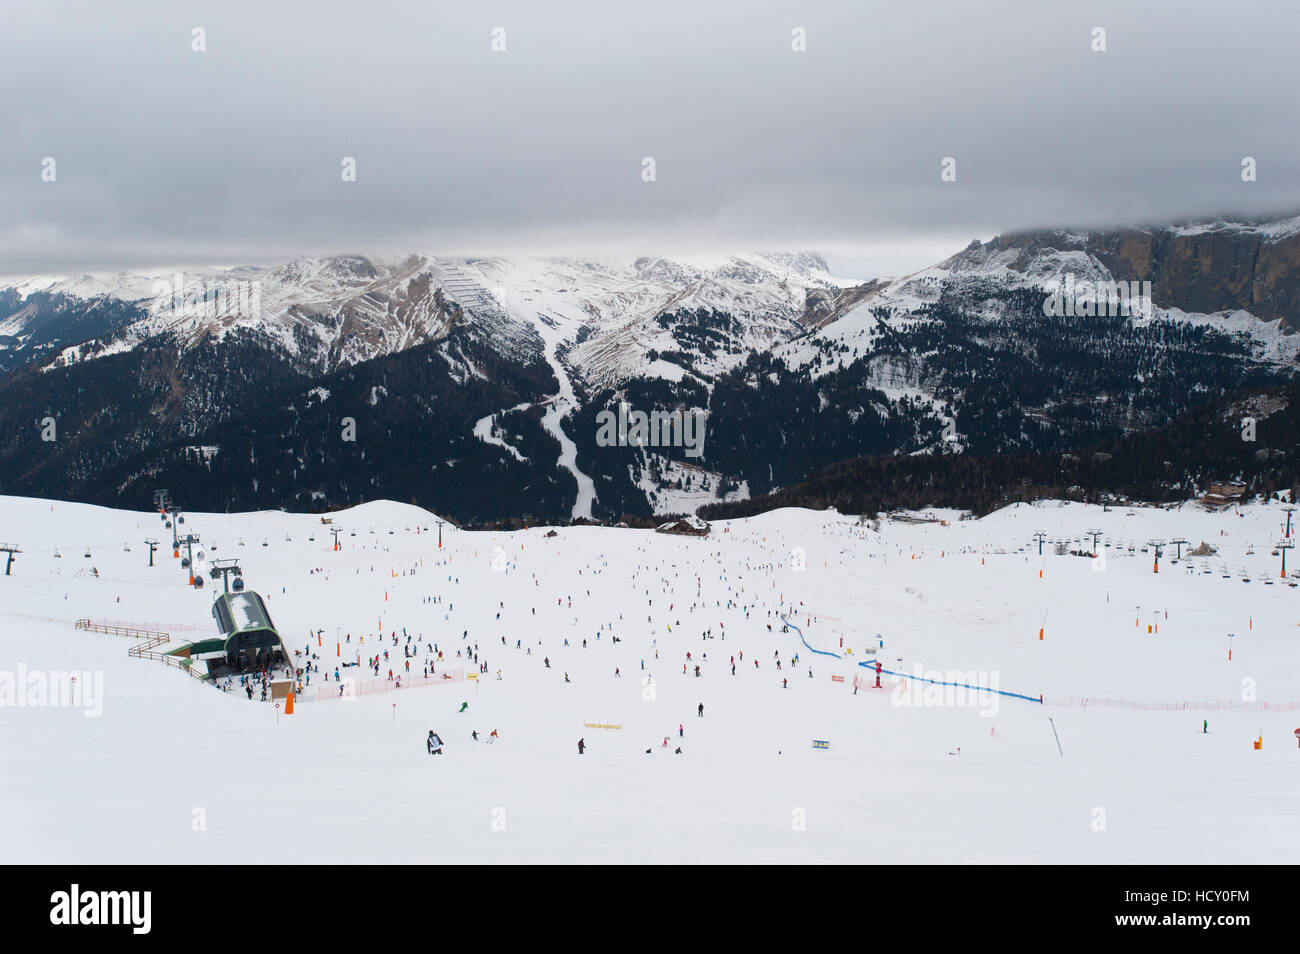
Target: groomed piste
x=549, y=638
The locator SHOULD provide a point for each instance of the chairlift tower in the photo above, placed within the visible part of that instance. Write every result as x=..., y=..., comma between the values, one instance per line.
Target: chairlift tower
x=336, y=531
x=177, y=518
x=10, y=549
x=1096, y=535
x=226, y=568
x=1040, y=536
x=1179, y=543
x=152, y=545
x=1288, y=511
x=1282, y=547
x=1156, y=545
x=189, y=540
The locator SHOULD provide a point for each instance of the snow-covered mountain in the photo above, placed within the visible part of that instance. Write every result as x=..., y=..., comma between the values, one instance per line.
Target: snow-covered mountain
x=338, y=311
x=505, y=366
x=1242, y=278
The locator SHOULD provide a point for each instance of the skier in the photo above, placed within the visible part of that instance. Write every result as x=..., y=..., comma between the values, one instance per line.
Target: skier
x=681, y=730
x=1205, y=726
x=493, y=737
x=701, y=710
x=434, y=743
x=464, y=706
x=581, y=745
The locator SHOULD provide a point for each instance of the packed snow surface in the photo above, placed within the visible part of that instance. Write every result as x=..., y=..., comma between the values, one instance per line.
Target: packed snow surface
x=165, y=768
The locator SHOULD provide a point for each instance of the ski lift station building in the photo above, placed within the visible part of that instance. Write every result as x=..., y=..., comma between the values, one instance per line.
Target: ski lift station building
x=247, y=634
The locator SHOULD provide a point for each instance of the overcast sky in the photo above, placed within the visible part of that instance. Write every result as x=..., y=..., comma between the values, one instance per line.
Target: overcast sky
x=169, y=156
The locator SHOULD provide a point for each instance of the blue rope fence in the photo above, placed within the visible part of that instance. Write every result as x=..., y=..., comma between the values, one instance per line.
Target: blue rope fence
x=820, y=652
x=871, y=666
x=964, y=685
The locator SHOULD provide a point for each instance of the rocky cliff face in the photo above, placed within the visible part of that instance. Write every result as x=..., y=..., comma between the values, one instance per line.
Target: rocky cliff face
x=1201, y=268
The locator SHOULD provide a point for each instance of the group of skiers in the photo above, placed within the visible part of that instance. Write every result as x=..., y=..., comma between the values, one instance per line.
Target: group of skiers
x=434, y=743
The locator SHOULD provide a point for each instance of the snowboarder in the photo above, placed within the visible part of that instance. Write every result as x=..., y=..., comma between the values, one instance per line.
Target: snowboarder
x=434, y=743
x=701, y=710
x=464, y=706
x=581, y=746
x=681, y=730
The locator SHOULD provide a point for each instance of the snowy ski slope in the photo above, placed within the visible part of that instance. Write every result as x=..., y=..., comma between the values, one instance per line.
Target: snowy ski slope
x=173, y=770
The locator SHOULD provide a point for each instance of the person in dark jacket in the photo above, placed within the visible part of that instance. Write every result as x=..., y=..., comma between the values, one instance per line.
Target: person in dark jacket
x=581, y=746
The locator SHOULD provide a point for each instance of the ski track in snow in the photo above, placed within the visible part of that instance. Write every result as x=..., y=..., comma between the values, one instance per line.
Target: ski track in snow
x=559, y=405
x=483, y=431
x=563, y=402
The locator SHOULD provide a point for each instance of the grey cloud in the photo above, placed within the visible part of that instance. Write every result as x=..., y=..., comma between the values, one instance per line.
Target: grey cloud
x=168, y=155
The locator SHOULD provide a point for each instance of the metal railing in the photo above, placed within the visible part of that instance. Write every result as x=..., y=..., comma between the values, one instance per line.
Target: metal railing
x=146, y=647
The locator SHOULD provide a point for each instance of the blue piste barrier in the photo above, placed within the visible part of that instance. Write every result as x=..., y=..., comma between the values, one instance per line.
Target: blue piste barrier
x=820, y=652
x=870, y=665
x=965, y=685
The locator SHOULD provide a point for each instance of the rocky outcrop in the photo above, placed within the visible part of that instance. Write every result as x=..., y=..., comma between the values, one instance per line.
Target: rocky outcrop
x=1201, y=268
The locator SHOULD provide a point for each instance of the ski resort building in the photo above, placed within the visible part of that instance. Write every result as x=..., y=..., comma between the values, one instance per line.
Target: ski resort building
x=687, y=526
x=1227, y=493
x=248, y=640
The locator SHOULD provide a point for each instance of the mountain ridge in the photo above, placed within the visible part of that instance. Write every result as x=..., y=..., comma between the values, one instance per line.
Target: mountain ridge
x=794, y=368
